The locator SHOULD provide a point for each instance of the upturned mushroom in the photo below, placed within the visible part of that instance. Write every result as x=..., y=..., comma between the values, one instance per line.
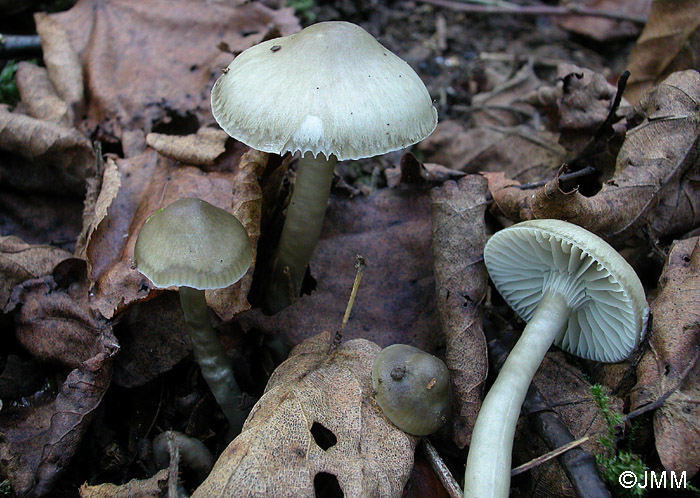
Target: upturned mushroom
x=573, y=290
x=412, y=388
x=195, y=246
x=330, y=92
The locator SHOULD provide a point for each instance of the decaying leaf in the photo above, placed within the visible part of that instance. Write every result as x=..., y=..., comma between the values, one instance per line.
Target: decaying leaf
x=149, y=63
x=317, y=417
x=200, y=148
x=62, y=62
x=39, y=96
x=459, y=235
x=20, y=261
x=148, y=183
x=602, y=29
x=411, y=171
x=56, y=159
x=655, y=185
x=153, y=487
x=670, y=42
x=671, y=365
x=525, y=153
x=40, y=436
x=395, y=302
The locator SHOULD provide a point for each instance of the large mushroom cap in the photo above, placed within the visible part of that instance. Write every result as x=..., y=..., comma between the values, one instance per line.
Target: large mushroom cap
x=191, y=243
x=330, y=89
x=609, y=309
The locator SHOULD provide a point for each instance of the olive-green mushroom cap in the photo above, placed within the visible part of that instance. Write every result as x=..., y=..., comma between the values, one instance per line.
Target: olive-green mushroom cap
x=329, y=89
x=412, y=387
x=191, y=243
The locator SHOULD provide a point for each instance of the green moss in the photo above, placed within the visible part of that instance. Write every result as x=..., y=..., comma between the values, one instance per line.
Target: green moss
x=8, y=85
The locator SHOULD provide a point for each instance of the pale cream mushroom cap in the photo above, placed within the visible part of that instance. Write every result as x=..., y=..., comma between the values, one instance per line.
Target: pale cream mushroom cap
x=609, y=309
x=330, y=89
x=191, y=243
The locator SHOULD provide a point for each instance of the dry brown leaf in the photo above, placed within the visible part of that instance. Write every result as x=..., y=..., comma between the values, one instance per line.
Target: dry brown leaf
x=524, y=153
x=671, y=362
x=247, y=207
x=147, y=63
x=20, y=261
x=459, y=235
x=601, y=29
x=395, y=302
x=41, y=434
x=60, y=159
x=503, y=106
x=39, y=96
x=567, y=391
x=669, y=42
x=62, y=62
x=411, y=171
x=280, y=453
x=148, y=183
x=655, y=185
x=200, y=148
x=97, y=201
x=153, y=487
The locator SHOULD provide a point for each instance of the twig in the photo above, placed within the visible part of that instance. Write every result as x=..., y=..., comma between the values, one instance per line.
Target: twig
x=566, y=176
x=548, y=456
x=360, y=267
x=12, y=46
x=443, y=473
x=537, y=10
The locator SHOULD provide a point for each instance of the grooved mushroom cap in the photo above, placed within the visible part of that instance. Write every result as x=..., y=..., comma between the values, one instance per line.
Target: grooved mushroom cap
x=330, y=88
x=412, y=387
x=609, y=309
x=191, y=243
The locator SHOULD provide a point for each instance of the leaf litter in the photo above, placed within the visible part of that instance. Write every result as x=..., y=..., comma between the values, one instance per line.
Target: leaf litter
x=425, y=284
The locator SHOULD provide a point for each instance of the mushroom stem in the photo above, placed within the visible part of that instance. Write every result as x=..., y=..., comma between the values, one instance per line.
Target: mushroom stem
x=302, y=228
x=489, y=461
x=211, y=357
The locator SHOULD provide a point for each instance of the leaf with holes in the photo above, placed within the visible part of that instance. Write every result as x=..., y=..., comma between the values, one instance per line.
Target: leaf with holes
x=671, y=362
x=316, y=427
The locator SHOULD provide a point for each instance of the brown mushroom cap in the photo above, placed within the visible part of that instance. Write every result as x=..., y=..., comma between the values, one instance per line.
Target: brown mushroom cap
x=330, y=89
x=191, y=243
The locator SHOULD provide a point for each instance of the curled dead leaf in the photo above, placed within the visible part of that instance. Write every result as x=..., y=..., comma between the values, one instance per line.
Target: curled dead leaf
x=153, y=487
x=316, y=418
x=200, y=148
x=459, y=235
x=39, y=95
x=671, y=362
x=655, y=185
x=668, y=43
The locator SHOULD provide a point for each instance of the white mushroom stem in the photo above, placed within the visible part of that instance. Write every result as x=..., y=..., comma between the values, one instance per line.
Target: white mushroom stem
x=489, y=461
x=301, y=229
x=211, y=357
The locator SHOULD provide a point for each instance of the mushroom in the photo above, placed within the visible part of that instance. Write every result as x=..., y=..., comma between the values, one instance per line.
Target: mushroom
x=330, y=92
x=195, y=246
x=412, y=388
x=573, y=290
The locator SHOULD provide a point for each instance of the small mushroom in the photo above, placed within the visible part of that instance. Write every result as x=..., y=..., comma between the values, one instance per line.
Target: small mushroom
x=573, y=290
x=195, y=246
x=412, y=387
x=330, y=92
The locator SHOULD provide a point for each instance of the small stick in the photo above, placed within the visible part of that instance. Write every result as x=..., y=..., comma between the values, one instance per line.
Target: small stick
x=12, y=46
x=443, y=473
x=360, y=267
x=548, y=456
x=290, y=285
x=537, y=10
